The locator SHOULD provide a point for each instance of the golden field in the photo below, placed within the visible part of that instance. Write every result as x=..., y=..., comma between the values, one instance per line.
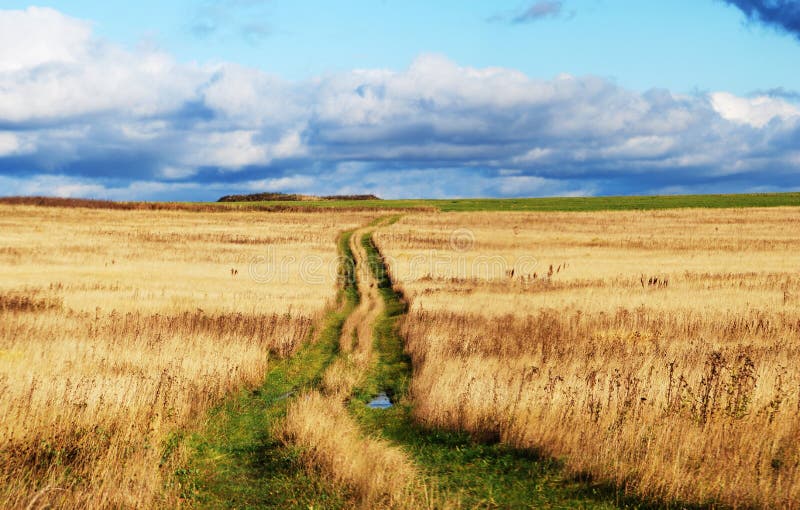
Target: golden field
x=656, y=350
x=118, y=328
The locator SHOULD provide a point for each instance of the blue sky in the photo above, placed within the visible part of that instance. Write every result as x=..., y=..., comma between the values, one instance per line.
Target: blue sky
x=191, y=100
x=682, y=45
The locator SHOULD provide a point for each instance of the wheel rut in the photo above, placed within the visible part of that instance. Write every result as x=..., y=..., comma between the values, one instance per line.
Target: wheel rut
x=373, y=470
x=309, y=439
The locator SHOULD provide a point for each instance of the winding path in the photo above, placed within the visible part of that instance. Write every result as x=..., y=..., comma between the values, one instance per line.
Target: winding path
x=306, y=439
x=376, y=472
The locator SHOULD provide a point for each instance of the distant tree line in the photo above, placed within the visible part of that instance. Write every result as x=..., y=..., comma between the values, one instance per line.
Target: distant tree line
x=288, y=197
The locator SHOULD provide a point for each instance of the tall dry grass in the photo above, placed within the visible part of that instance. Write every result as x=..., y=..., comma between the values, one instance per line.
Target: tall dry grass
x=654, y=350
x=118, y=329
x=375, y=473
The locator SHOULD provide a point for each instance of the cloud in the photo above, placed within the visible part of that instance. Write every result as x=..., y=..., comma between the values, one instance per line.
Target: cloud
x=780, y=14
x=778, y=92
x=538, y=10
x=40, y=36
x=72, y=187
x=12, y=144
x=80, y=115
x=290, y=183
x=757, y=111
x=245, y=19
x=51, y=67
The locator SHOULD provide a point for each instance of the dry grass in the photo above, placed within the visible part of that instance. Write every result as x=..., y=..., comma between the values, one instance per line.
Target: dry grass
x=377, y=474
x=655, y=350
x=118, y=328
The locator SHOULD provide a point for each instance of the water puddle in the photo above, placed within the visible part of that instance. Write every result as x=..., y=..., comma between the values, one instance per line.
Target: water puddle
x=381, y=401
x=284, y=396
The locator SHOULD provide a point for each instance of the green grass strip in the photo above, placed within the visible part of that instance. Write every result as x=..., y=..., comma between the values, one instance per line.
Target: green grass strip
x=567, y=204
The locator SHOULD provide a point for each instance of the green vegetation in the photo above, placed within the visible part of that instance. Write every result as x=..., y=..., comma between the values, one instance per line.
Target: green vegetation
x=281, y=202
x=272, y=197
x=236, y=462
x=261, y=197
x=563, y=203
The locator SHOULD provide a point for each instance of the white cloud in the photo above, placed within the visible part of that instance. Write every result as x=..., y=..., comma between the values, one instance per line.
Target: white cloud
x=144, y=130
x=289, y=146
x=52, y=67
x=76, y=190
x=290, y=183
x=533, y=155
x=172, y=172
x=230, y=150
x=59, y=186
x=233, y=150
x=9, y=144
x=39, y=36
x=73, y=187
x=756, y=111
x=17, y=144
x=641, y=147
x=526, y=184
x=253, y=98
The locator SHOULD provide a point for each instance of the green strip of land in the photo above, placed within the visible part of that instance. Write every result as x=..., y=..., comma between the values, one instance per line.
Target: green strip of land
x=576, y=204
x=619, y=203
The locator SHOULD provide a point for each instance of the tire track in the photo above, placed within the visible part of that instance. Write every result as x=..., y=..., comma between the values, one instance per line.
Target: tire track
x=311, y=441
x=377, y=473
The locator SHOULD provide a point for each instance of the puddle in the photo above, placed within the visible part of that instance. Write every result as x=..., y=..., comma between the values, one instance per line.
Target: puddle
x=284, y=396
x=380, y=402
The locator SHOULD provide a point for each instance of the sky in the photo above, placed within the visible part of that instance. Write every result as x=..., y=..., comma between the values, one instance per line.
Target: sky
x=197, y=99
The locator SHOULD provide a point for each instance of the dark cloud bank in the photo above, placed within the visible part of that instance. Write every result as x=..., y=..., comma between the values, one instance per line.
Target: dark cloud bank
x=780, y=14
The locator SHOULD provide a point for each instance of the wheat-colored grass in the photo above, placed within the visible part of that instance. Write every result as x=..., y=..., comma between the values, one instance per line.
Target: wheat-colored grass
x=655, y=350
x=375, y=473
x=119, y=328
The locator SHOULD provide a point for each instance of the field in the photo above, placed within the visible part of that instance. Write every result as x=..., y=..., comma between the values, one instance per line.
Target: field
x=653, y=350
x=120, y=328
x=204, y=356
